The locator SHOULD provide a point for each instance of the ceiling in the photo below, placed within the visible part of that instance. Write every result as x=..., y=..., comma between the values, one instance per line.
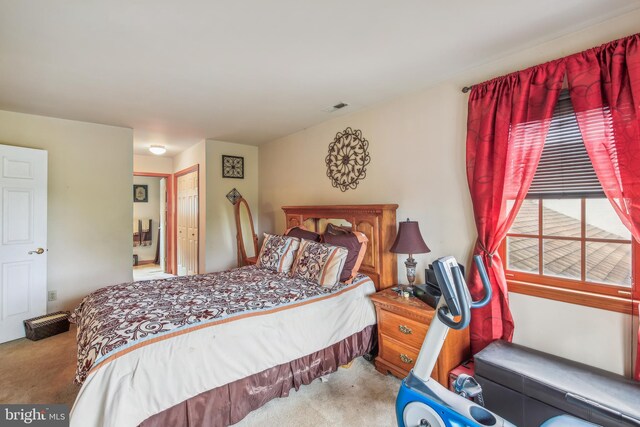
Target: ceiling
x=250, y=71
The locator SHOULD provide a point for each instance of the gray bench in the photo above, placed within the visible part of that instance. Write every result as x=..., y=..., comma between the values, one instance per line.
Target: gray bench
x=527, y=387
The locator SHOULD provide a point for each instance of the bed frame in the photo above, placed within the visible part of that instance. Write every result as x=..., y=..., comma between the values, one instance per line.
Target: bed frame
x=377, y=222
x=230, y=403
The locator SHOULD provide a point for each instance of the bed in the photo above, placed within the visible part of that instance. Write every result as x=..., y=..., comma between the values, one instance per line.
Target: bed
x=208, y=349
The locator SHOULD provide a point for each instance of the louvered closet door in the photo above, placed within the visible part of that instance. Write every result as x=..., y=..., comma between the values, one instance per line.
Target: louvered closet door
x=187, y=218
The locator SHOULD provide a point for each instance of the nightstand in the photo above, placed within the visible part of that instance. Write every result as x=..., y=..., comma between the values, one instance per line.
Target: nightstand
x=402, y=326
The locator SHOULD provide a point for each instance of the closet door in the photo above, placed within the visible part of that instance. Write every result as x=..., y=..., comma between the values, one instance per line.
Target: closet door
x=187, y=220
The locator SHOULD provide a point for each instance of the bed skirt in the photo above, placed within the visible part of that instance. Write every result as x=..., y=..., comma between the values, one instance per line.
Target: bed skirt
x=230, y=403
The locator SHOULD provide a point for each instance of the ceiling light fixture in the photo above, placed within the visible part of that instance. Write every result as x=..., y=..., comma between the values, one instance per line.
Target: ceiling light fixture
x=158, y=150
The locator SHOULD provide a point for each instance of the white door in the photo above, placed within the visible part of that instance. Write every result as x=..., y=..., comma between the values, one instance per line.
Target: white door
x=187, y=219
x=23, y=238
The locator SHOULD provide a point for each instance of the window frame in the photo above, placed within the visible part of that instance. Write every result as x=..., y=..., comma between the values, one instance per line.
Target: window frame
x=577, y=291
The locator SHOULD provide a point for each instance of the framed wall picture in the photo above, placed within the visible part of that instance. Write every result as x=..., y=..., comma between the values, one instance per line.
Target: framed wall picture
x=232, y=167
x=140, y=193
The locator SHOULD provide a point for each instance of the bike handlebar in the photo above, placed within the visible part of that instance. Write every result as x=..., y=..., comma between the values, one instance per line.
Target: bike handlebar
x=461, y=302
x=486, y=285
x=465, y=306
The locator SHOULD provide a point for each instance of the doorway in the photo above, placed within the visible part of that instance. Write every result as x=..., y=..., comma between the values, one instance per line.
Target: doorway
x=187, y=221
x=151, y=226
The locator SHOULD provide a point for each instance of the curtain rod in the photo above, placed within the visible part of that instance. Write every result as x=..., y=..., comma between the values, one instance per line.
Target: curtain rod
x=468, y=88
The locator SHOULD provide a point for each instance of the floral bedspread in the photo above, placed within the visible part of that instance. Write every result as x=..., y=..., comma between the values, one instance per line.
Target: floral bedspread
x=116, y=317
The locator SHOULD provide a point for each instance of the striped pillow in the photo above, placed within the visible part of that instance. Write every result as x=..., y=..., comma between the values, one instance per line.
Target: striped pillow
x=319, y=263
x=278, y=252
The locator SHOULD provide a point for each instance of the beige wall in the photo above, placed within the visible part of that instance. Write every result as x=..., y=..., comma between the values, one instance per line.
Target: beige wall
x=152, y=164
x=600, y=337
x=221, y=228
x=197, y=155
x=414, y=162
x=417, y=146
x=89, y=201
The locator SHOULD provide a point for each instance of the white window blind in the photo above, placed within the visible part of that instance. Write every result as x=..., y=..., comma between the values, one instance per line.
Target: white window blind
x=565, y=170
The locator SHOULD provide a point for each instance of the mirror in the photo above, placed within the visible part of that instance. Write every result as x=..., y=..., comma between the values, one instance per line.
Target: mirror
x=246, y=223
x=310, y=224
x=247, y=240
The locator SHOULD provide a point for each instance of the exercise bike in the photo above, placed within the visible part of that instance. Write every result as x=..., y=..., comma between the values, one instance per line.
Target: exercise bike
x=422, y=401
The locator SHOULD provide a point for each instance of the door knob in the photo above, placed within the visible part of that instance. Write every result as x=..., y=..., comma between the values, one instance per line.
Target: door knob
x=38, y=251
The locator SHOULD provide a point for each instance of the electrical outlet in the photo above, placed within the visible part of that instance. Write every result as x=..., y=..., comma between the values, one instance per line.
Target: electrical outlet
x=52, y=296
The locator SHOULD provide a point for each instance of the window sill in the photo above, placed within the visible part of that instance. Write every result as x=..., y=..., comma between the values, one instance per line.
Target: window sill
x=588, y=299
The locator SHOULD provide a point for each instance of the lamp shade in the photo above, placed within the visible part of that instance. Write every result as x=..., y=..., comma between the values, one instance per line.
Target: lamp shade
x=409, y=240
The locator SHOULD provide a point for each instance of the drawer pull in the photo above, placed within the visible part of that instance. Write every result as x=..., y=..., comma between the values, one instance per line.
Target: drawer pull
x=405, y=329
x=406, y=359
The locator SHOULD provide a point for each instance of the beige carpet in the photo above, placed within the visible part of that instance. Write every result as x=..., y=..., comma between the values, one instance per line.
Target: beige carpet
x=39, y=371
x=42, y=372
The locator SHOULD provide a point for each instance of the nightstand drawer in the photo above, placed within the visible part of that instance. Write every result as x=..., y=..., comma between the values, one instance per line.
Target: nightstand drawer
x=400, y=355
x=407, y=331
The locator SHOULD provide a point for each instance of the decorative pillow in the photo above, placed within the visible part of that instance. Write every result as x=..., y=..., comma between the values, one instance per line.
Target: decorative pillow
x=319, y=263
x=278, y=252
x=336, y=230
x=356, y=243
x=302, y=233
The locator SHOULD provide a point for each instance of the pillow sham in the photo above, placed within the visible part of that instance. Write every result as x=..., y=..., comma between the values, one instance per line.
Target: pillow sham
x=336, y=230
x=356, y=244
x=302, y=233
x=278, y=253
x=319, y=263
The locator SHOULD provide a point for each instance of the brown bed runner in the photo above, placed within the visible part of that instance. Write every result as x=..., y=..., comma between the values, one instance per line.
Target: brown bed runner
x=230, y=403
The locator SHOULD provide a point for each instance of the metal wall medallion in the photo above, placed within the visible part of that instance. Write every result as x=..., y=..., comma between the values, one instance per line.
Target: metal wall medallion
x=233, y=196
x=232, y=167
x=347, y=159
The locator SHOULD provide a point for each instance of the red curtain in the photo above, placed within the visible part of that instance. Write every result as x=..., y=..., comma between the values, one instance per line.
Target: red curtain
x=604, y=83
x=508, y=121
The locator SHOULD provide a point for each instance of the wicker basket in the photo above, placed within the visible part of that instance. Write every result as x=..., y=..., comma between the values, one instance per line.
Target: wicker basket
x=46, y=326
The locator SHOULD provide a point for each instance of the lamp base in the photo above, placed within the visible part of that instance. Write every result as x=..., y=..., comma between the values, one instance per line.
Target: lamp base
x=410, y=265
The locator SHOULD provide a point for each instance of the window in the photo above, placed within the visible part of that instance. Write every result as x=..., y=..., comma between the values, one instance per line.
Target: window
x=566, y=234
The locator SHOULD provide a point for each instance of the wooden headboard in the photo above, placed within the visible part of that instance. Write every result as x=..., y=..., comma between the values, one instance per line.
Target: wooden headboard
x=377, y=222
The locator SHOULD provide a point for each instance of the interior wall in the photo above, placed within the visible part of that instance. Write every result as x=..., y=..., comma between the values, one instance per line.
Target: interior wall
x=145, y=211
x=415, y=163
x=152, y=164
x=89, y=201
x=541, y=322
x=417, y=147
x=221, y=227
x=197, y=155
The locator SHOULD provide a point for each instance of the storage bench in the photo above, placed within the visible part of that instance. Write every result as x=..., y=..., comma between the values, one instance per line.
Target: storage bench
x=527, y=387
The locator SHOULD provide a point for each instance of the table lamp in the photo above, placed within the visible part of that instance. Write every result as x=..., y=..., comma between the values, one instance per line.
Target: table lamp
x=409, y=241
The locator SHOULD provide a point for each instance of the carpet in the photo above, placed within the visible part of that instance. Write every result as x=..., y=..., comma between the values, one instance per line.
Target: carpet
x=39, y=371
x=42, y=372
